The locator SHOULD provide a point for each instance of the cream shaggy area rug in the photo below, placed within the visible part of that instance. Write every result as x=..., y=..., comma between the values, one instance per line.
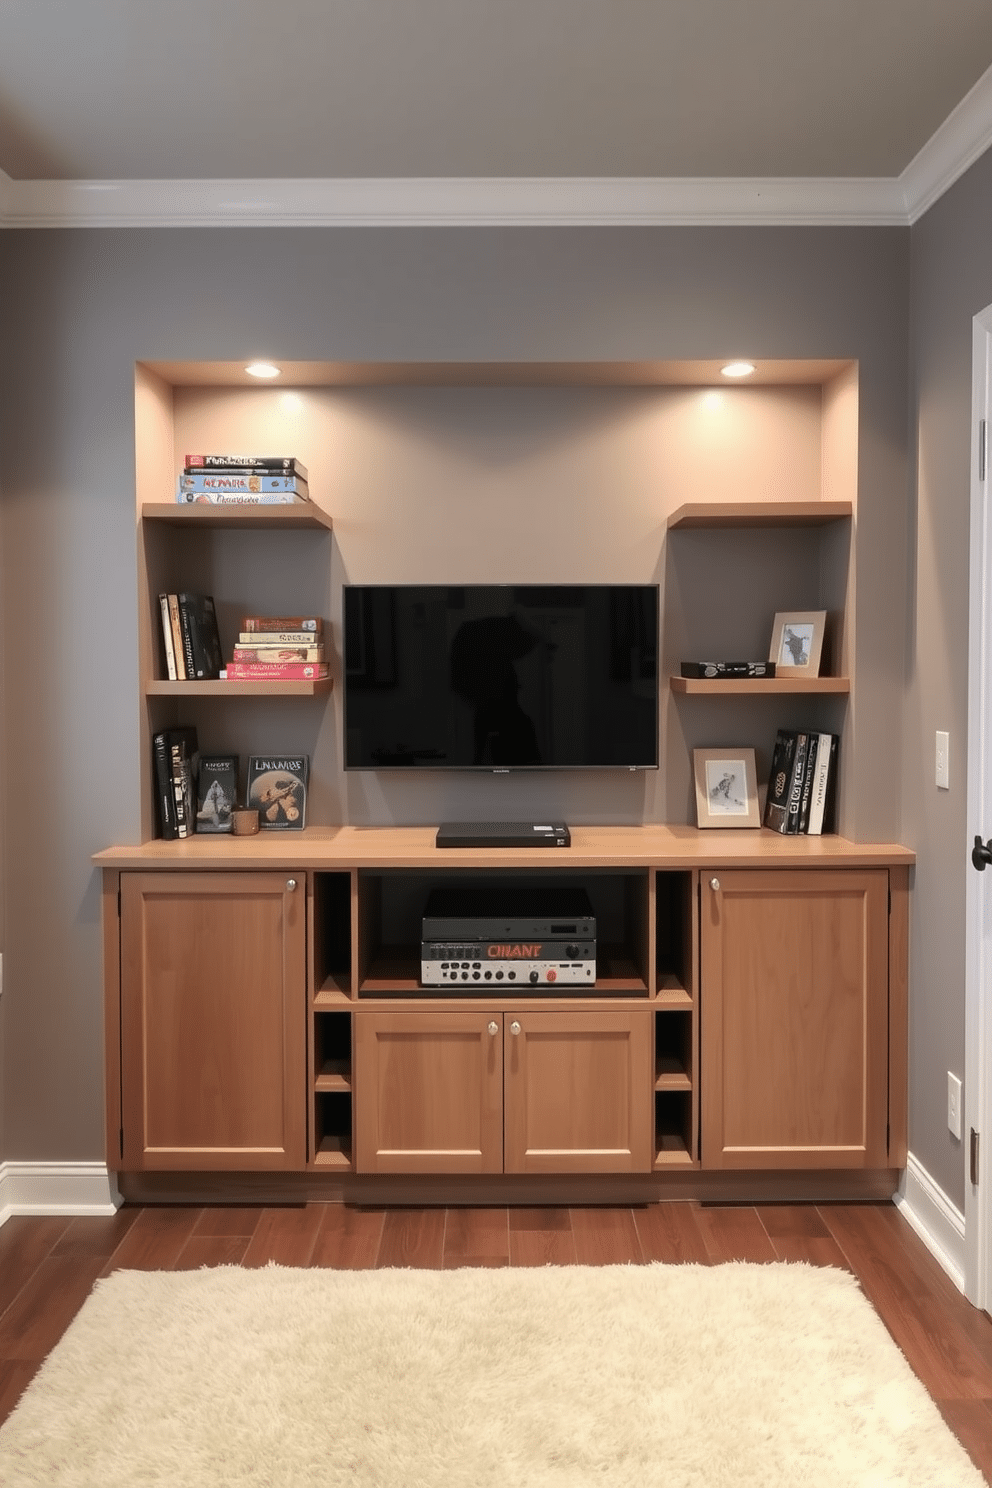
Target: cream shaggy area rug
x=773, y=1376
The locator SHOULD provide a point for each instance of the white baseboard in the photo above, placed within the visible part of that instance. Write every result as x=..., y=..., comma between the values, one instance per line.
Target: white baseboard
x=57, y=1188
x=938, y=1222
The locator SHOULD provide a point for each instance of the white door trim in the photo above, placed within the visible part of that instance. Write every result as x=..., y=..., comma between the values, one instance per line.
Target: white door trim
x=978, y=959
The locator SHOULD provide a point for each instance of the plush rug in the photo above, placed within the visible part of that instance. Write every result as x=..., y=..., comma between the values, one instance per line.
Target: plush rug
x=774, y=1376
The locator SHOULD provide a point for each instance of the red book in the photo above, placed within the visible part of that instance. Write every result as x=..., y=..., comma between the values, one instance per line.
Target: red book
x=301, y=671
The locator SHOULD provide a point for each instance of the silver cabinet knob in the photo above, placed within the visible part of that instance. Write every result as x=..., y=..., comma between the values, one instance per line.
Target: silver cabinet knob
x=714, y=884
x=290, y=884
x=514, y=1027
x=493, y=1027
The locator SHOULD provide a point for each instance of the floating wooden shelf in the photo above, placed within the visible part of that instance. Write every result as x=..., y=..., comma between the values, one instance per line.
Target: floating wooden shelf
x=754, y=686
x=242, y=687
x=758, y=514
x=232, y=514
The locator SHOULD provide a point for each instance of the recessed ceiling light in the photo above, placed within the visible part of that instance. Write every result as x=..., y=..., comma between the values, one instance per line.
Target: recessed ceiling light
x=737, y=369
x=262, y=369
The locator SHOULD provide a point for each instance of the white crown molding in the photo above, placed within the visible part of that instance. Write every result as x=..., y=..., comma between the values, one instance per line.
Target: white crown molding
x=57, y=1188
x=964, y=135
x=451, y=202
x=518, y=202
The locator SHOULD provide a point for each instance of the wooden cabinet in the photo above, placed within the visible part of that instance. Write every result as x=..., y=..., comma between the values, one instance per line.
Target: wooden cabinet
x=212, y=1020
x=497, y=1091
x=794, y=973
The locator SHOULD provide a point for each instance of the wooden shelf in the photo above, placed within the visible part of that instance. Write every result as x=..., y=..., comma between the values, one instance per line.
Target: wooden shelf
x=670, y=1074
x=334, y=1152
x=220, y=687
x=302, y=514
x=738, y=686
x=334, y=1075
x=333, y=995
x=670, y=993
x=758, y=514
x=672, y=1153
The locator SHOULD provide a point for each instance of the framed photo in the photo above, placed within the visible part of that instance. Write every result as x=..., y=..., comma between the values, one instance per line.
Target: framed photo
x=797, y=642
x=726, y=788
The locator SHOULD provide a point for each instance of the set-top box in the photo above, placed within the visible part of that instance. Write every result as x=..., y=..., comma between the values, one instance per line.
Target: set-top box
x=523, y=937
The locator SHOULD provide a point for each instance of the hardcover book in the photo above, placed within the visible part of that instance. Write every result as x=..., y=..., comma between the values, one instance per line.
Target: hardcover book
x=175, y=757
x=277, y=653
x=248, y=464
x=277, y=788
x=216, y=792
x=274, y=671
x=780, y=782
x=201, y=639
x=279, y=638
x=728, y=669
x=312, y=624
x=230, y=483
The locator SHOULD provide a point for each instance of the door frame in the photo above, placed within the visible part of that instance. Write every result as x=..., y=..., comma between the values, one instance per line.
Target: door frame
x=978, y=897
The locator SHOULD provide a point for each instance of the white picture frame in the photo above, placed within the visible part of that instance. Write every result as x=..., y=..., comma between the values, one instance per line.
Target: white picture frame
x=726, y=788
x=797, y=642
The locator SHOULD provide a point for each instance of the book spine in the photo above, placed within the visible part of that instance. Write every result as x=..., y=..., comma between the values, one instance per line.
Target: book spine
x=809, y=775
x=248, y=464
x=228, y=483
x=820, y=797
x=278, y=653
x=312, y=624
x=189, y=661
x=242, y=498
x=796, y=788
x=179, y=790
x=727, y=668
x=170, y=653
x=279, y=638
x=166, y=795
x=777, y=801
x=177, y=637
x=287, y=670
x=199, y=619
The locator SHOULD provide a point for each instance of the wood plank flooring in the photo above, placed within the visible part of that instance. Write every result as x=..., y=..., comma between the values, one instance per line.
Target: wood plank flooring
x=48, y=1265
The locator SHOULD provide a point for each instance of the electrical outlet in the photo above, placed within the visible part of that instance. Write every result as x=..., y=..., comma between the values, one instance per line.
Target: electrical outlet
x=942, y=761
x=954, y=1105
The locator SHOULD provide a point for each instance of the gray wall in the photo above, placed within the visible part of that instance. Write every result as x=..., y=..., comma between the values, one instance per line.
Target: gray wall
x=951, y=283
x=78, y=308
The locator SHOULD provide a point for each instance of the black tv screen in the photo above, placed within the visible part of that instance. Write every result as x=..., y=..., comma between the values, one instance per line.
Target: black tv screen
x=501, y=676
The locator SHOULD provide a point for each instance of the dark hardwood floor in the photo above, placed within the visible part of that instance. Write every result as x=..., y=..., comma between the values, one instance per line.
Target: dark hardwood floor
x=48, y=1265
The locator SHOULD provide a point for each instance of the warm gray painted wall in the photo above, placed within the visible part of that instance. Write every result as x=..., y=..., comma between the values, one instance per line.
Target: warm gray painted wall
x=951, y=283
x=80, y=307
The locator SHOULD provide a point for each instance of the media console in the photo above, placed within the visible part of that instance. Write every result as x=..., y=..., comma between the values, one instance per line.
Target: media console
x=745, y=1033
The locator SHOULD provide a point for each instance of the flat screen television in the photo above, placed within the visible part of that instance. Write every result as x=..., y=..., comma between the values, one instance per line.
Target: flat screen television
x=501, y=677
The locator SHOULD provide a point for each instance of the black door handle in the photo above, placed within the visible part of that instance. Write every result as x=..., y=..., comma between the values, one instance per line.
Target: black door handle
x=981, y=854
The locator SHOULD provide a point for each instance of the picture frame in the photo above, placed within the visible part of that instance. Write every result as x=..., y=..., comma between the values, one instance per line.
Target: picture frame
x=726, y=787
x=797, y=642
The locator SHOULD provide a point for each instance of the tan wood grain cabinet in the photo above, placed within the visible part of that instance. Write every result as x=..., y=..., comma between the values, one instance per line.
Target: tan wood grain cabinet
x=749, y=1015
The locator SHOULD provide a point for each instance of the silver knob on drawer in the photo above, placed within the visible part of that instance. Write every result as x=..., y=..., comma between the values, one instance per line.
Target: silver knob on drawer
x=493, y=1027
x=291, y=884
x=714, y=884
x=514, y=1027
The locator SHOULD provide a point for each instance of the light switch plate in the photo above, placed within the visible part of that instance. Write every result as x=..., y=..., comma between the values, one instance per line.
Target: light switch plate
x=942, y=760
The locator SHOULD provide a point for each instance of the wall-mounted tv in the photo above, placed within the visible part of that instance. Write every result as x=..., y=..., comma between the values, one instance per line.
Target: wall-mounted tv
x=501, y=676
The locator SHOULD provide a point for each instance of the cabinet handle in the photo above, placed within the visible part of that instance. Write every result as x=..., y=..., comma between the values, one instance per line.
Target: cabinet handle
x=291, y=884
x=494, y=1027
x=715, y=884
x=514, y=1027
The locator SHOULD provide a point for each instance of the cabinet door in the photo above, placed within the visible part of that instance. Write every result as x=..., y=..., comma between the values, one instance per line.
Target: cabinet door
x=213, y=1020
x=578, y=1091
x=794, y=1018
x=428, y=1092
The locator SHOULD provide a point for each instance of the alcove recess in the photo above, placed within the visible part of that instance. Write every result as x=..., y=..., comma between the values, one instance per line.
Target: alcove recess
x=682, y=439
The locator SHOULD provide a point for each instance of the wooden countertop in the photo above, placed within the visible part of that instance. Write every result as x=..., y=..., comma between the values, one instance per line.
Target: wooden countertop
x=649, y=846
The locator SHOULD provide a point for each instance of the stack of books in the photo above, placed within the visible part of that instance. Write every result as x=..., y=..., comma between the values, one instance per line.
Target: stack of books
x=176, y=759
x=190, y=637
x=279, y=648
x=252, y=480
x=802, y=786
